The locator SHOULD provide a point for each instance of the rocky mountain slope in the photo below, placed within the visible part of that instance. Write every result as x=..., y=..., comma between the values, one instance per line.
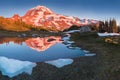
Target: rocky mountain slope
x=43, y=17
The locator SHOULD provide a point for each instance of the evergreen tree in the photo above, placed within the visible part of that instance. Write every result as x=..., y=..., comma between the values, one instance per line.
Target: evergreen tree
x=110, y=26
x=118, y=28
x=114, y=26
x=101, y=26
x=106, y=27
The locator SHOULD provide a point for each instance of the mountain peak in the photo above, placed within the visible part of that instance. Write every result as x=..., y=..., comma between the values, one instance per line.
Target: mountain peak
x=44, y=17
x=41, y=8
x=16, y=17
x=38, y=7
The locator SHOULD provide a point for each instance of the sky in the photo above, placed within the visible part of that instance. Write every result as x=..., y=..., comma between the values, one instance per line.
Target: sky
x=90, y=9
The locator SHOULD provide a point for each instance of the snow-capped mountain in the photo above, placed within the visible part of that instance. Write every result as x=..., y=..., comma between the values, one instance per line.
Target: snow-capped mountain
x=46, y=18
x=42, y=44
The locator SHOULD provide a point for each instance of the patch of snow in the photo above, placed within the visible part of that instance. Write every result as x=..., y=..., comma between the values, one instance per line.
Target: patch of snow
x=69, y=23
x=108, y=34
x=56, y=18
x=67, y=37
x=37, y=18
x=78, y=22
x=51, y=15
x=94, y=21
x=12, y=67
x=40, y=14
x=71, y=18
x=56, y=24
x=90, y=54
x=24, y=20
x=70, y=42
x=33, y=12
x=86, y=51
x=72, y=31
x=43, y=8
x=37, y=21
x=60, y=62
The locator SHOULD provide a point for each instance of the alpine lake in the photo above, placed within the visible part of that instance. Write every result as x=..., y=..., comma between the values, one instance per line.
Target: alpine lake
x=65, y=56
x=20, y=56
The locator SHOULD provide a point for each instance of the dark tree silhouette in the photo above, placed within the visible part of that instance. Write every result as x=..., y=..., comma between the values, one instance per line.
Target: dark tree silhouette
x=108, y=26
x=114, y=26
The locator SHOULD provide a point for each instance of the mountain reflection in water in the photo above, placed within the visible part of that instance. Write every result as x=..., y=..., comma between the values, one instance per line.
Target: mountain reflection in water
x=22, y=53
x=42, y=44
x=39, y=49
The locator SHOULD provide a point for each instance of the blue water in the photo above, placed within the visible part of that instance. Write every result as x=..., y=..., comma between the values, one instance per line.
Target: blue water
x=24, y=53
x=18, y=56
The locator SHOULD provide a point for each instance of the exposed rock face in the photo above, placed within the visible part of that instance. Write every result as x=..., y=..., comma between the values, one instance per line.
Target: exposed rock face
x=42, y=44
x=44, y=17
x=85, y=29
x=16, y=17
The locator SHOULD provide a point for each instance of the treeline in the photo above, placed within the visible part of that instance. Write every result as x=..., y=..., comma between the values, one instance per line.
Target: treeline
x=109, y=26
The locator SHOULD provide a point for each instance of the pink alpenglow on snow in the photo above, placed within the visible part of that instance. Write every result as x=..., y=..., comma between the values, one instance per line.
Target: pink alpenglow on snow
x=46, y=18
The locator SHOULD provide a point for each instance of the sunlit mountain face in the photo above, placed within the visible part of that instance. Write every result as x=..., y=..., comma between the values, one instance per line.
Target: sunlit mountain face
x=43, y=17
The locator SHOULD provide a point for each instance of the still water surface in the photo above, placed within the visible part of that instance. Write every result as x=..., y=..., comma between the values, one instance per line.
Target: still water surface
x=21, y=54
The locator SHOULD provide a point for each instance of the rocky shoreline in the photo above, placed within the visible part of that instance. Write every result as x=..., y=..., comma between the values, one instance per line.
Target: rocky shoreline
x=28, y=34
